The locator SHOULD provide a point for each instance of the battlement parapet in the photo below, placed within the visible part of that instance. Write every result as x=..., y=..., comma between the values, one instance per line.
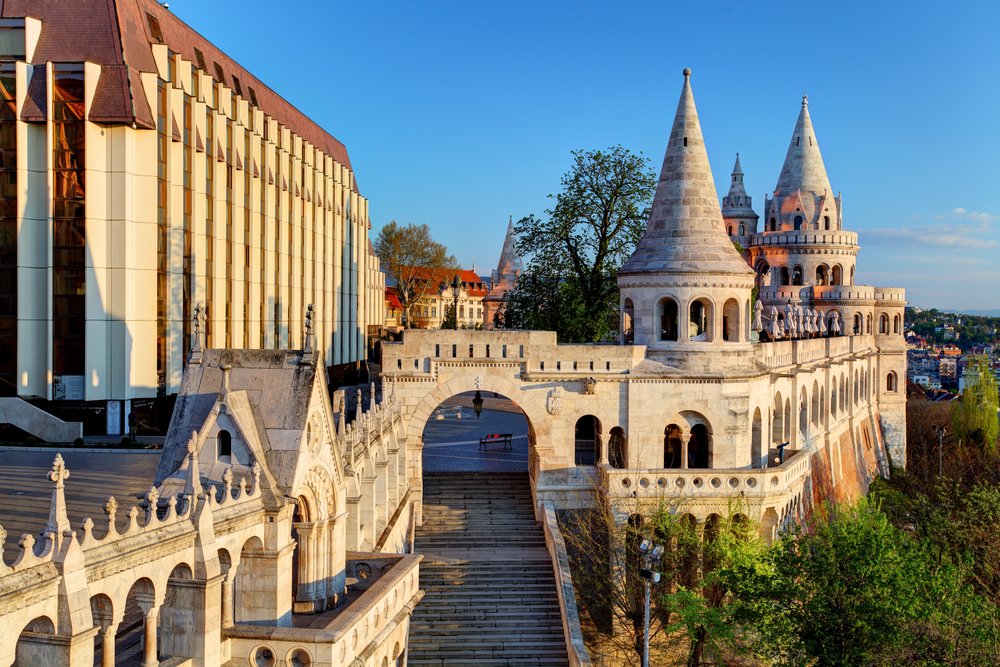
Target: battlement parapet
x=811, y=238
x=890, y=296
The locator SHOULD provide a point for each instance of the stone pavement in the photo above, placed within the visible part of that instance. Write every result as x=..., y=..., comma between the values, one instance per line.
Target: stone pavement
x=453, y=444
x=26, y=492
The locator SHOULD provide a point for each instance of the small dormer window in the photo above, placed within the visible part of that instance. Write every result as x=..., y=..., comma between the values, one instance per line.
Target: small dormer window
x=225, y=443
x=685, y=141
x=797, y=141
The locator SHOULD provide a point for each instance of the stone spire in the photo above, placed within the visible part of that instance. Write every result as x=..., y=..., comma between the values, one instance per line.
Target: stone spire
x=509, y=262
x=737, y=197
x=803, y=173
x=685, y=232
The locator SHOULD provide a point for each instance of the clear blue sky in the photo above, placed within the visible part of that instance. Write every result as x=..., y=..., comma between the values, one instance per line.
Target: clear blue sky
x=459, y=115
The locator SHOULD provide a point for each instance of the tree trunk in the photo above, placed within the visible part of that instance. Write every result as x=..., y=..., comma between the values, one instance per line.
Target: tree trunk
x=697, y=657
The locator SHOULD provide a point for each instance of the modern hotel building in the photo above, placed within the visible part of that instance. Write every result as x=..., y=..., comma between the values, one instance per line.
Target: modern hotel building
x=142, y=172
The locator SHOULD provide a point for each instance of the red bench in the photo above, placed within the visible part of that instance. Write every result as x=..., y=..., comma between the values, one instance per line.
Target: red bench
x=497, y=438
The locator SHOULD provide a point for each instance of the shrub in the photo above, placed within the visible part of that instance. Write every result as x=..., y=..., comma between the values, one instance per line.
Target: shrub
x=78, y=442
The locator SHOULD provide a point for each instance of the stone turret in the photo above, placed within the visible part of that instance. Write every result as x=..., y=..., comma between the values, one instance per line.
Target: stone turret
x=686, y=290
x=803, y=242
x=504, y=276
x=737, y=212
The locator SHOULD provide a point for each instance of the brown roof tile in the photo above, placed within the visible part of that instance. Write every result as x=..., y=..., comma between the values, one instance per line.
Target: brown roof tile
x=111, y=101
x=36, y=104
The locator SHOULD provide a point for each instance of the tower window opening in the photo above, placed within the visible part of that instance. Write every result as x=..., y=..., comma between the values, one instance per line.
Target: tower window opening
x=668, y=320
x=810, y=141
x=225, y=443
x=730, y=230
x=798, y=222
x=774, y=225
x=685, y=141
x=743, y=230
x=797, y=141
x=826, y=222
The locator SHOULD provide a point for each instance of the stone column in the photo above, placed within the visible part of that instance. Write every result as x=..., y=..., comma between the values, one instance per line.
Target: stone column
x=685, y=437
x=227, y=598
x=108, y=646
x=149, y=637
x=603, y=440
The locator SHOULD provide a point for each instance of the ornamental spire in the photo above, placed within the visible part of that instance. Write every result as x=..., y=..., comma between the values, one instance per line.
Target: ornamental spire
x=685, y=232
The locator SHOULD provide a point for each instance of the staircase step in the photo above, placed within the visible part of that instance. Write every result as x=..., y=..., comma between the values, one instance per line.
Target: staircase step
x=484, y=613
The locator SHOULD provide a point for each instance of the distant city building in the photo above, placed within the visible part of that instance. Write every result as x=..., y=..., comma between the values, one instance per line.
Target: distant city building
x=430, y=311
x=504, y=277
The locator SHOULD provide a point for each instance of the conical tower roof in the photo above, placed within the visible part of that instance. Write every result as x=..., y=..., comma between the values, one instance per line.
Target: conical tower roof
x=685, y=232
x=737, y=202
x=803, y=170
x=509, y=261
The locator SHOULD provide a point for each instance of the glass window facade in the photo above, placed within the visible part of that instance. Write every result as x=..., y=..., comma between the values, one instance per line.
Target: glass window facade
x=8, y=231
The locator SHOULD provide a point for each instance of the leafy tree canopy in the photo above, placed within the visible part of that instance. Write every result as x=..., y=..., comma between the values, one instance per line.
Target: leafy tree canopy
x=414, y=260
x=576, y=249
x=975, y=418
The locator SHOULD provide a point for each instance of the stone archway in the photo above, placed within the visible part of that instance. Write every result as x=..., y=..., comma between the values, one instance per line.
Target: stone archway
x=536, y=415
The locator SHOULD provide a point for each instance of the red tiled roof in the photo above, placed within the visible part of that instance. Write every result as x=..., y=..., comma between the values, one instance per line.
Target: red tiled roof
x=390, y=296
x=115, y=34
x=468, y=279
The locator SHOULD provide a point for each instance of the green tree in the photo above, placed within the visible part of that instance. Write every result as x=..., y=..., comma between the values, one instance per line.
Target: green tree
x=414, y=261
x=974, y=419
x=575, y=251
x=449, y=317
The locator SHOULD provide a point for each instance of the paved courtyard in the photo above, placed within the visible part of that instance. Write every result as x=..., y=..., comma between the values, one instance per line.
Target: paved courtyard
x=26, y=492
x=452, y=445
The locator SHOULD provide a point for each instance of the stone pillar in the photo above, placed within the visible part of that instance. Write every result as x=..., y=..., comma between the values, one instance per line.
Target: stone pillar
x=149, y=637
x=381, y=498
x=685, y=437
x=367, y=532
x=352, y=537
x=227, y=598
x=108, y=646
x=603, y=440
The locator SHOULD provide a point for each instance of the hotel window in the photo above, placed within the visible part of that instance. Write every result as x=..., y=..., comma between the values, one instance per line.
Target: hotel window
x=8, y=229
x=210, y=147
x=69, y=227
x=186, y=266
x=229, y=233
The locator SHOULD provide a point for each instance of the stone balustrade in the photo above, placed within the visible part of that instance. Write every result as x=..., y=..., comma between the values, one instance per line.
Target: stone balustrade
x=755, y=485
x=810, y=237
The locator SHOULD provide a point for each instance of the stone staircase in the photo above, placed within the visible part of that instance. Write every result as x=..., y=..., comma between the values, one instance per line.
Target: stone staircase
x=490, y=597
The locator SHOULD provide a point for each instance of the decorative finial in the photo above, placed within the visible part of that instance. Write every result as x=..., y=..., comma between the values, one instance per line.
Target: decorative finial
x=805, y=100
x=59, y=471
x=111, y=506
x=225, y=378
x=687, y=71
x=198, y=343
x=58, y=521
x=308, y=346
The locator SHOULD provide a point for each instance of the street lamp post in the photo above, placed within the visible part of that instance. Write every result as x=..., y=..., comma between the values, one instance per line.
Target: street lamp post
x=651, y=555
x=456, y=288
x=477, y=404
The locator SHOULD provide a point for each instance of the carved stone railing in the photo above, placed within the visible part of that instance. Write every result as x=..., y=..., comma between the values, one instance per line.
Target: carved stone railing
x=694, y=484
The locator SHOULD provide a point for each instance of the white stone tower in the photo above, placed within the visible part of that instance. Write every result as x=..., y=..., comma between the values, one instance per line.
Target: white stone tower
x=737, y=211
x=685, y=291
x=804, y=242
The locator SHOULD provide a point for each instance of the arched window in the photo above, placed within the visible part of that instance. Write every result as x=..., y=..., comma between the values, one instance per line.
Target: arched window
x=731, y=320
x=890, y=382
x=785, y=278
x=833, y=399
x=777, y=425
x=668, y=319
x=852, y=276
x=700, y=321
x=822, y=405
x=618, y=449
x=756, y=458
x=798, y=222
x=797, y=275
x=843, y=392
x=461, y=311
x=895, y=324
x=774, y=225
x=699, y=447
x=587, y=440
x=788, y=419
x=743, y=230
x=858, y=324
x=821, y=275
x=838, y=274
x=826, y=222
x=883, y=324
x=628, y=323
x=672, y=446
x=803, y=411
x=225, y=440
x=815, y=403
x=857, y=387
x=729, y=230
x=868, y=323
